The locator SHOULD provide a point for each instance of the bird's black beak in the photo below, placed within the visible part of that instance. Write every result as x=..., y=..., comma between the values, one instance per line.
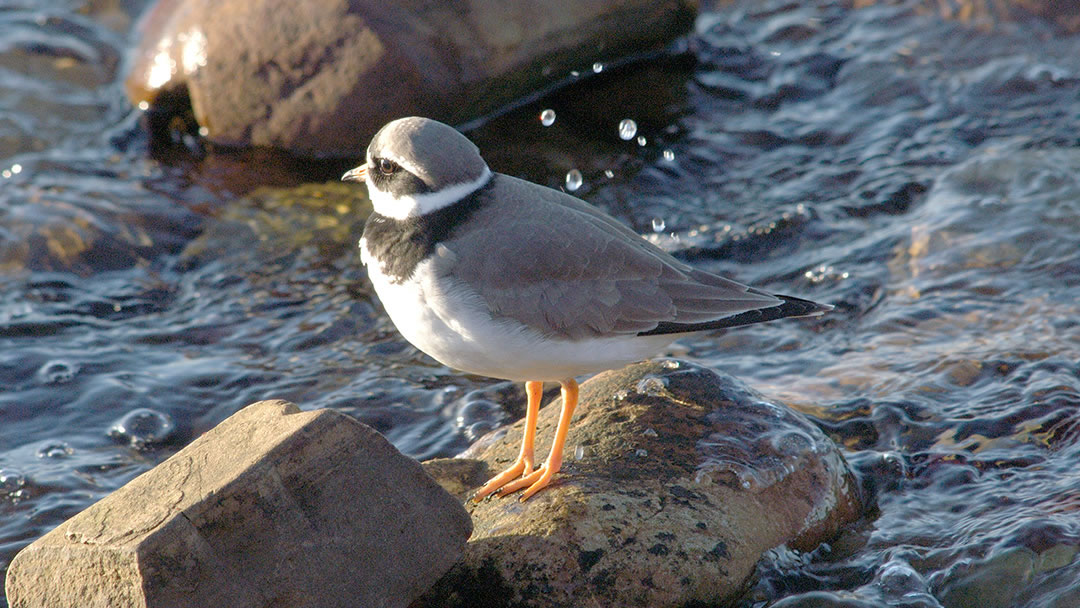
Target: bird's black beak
x=359, y=174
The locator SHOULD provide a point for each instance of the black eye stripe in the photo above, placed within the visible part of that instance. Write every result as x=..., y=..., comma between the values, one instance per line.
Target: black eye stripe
x=392, y=178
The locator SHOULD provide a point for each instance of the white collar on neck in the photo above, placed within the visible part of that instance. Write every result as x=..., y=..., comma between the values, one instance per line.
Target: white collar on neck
x=414, y=205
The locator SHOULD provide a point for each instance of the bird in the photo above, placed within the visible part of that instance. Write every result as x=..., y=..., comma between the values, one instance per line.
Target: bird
x=500, y=277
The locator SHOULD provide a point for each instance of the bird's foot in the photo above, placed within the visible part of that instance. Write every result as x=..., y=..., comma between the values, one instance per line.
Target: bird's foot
x=533, y=482
x=522, y=467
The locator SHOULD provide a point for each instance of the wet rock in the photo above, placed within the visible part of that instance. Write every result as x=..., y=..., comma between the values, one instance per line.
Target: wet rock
x=676, y=481
x=256, y=75
x=273, y=507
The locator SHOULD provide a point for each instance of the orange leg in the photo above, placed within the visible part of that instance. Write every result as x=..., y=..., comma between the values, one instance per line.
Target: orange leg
x=540, y=478
x=524, y=463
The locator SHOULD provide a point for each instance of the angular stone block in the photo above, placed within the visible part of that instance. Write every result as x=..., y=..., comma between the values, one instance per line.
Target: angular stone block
x=273, y=507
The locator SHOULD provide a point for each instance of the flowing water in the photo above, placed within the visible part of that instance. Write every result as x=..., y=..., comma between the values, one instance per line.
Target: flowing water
x=921, y=175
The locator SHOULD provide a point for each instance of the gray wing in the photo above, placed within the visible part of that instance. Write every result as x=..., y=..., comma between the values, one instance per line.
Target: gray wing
x=560, y=266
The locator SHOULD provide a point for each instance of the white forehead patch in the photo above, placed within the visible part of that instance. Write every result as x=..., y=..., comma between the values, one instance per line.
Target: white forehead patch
x=414, y=205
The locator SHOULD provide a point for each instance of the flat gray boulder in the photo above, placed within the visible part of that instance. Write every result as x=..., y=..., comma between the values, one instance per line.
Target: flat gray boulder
x=273, y=507
x=318, y=78
x=675, y=482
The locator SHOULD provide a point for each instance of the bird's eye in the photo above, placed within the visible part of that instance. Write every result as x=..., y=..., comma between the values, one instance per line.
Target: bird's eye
x=386, y=166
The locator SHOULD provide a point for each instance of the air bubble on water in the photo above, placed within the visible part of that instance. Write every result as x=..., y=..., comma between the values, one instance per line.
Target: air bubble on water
x=898, y=579
x=640, y=453
x=573, y=180
x=575, y=73
x=609, y=173
x=597, y=67
x=547, y=117
x=669, y=155
x=57, y=371
x=649, y=432
x=658, y=224
x=627, y=129
x=55, y=449
x=143, y=427
x=476, y=430
x=825, y=273
x=641, y=141
x=11, y=483
x=477, y=415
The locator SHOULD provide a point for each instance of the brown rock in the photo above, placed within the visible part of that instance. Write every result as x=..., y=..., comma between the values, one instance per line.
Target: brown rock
x=273, y=507
x=256, y=74
x=683, y=480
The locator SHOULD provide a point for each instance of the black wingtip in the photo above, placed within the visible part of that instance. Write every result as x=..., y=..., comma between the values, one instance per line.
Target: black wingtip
x=791, y=308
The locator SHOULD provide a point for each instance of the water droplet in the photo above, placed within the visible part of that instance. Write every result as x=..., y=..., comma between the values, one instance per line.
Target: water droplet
x=204, y=131
x=144, y=106
x=16, y=169
x=627, y=129
x=640, y=453
x=651, y=385
x=57, y=371
x=609, y=174
x=649, y=432
x=575, y=73
x=669, y=155
x=55, y=449
x=641, y=141
x=658, y=224
x=547, y=117
x=579, y=452
x=573, y=180
x=143, y=427
x=597, y=67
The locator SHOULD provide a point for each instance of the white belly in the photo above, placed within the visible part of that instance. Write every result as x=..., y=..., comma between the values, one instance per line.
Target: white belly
x=449, y=322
